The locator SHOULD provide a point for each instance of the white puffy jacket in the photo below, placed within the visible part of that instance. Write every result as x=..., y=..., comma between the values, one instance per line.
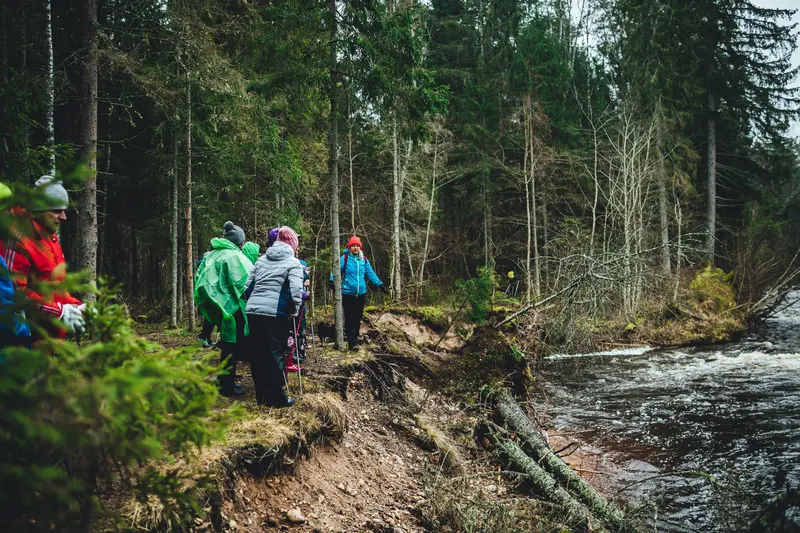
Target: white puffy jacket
x=275, y=283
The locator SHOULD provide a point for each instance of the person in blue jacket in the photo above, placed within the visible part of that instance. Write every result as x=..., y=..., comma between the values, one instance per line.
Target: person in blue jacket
x=356, y=271
x=13, y=331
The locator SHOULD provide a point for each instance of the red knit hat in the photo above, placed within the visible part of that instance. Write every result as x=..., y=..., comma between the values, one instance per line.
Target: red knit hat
x=354, y=240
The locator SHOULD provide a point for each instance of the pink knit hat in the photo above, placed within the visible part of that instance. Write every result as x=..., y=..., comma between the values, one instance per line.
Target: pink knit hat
x=287, y=235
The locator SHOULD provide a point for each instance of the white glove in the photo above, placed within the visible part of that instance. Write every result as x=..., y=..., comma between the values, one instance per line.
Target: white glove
x=72, y=316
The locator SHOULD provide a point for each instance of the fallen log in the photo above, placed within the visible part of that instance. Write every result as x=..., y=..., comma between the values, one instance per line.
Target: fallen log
x=542, y=483
x=535, y=446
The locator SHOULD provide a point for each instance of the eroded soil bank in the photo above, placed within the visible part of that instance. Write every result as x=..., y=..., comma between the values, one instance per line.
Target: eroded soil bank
x=386, y=439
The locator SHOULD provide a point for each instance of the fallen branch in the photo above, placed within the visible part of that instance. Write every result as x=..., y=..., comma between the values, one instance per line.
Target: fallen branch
x=535, y=446
x=540, y=480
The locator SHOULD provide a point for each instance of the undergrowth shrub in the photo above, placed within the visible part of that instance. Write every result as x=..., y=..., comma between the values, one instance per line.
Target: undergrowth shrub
x=115, y=408
x=478, y=293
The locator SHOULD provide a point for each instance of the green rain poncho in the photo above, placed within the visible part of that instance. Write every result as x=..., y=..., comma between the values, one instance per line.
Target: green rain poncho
x=250, y=250
x=219, y=286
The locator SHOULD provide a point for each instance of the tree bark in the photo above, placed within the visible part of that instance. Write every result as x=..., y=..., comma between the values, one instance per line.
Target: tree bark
x=333, y=148
x=191, y=315
x=50, y=137
x=87, y=258
x=662, y=203
x=711, y=216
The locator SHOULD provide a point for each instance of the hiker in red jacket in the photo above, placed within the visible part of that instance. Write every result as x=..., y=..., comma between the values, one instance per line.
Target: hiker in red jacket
x=34, y=256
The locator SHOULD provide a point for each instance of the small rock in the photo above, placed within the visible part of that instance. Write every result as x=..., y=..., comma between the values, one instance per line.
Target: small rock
x=399, y=460
x=491, y=488
x=295, y=516
x=340, y=486
x=233, y=524
x=366, y=417
x=321, y=498
x=361, y=482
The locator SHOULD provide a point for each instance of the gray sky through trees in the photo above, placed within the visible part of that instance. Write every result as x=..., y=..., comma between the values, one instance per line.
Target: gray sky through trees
x=788, y=4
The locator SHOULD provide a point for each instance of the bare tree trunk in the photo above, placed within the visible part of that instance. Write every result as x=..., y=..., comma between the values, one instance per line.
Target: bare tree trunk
x=175, y=206
x=711, y=217
x=334, y=171
x=526, y=108
x=87, y=211
x=396, y=189
x=50, y=137
x=192, y=317
x=662, y=200
x=430, y=212
x=679, y=224
x=350, y=161
x=596, y=180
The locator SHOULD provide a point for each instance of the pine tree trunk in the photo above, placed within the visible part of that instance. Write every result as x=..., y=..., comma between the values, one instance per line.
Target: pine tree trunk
x=711, y=216
x=50, y=138
x=333, y=149
x=191, y=315
x=174, y=227
x=87, y=209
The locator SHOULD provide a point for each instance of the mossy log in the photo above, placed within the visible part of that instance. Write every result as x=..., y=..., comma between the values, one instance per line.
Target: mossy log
x=535, y=446
x=542, y=483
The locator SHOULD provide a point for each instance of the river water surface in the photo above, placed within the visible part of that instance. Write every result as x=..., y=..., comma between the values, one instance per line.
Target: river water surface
x=731, y=411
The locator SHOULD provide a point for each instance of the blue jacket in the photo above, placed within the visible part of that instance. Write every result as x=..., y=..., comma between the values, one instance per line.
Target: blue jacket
x=356, y=273
x=9, y=319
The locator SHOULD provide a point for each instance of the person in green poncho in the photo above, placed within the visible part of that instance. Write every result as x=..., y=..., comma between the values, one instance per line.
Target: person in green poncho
x=219, y=286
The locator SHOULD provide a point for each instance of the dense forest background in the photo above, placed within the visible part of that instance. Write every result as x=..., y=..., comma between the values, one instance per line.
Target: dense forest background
x=606, y=146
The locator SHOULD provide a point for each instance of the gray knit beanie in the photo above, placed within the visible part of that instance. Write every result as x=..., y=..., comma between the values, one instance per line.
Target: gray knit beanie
x=53, y=194
x=233, y=233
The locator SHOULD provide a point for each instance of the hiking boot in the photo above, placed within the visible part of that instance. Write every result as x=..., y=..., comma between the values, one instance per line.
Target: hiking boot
x=289, y=402
x=205, y=343
x=237, y=391
x=354, y=347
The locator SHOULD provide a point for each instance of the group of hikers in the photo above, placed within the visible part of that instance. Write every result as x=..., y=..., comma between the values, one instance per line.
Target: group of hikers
x=258, y=305
x=256, y=301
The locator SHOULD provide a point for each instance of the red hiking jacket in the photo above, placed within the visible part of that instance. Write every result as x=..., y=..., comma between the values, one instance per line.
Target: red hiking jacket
x=37, y=257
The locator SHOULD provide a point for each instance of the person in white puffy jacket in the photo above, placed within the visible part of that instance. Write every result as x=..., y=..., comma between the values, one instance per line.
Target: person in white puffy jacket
x=274, y=295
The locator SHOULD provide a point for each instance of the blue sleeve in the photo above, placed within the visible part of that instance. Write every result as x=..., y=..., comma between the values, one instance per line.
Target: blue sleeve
x=372, y=277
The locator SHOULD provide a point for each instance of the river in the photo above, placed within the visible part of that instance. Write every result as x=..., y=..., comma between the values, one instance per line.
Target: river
x=731, y=411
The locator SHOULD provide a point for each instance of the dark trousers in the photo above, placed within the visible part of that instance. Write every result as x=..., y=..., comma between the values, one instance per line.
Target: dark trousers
x=208, y=329
x=231, y=353
x=353, y=310
x=268, y=352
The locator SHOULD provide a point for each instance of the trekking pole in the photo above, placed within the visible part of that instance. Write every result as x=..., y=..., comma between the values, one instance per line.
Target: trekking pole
x=299, y=369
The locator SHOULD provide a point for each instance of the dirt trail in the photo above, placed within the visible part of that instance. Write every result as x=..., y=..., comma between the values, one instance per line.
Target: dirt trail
x=402, y=437
x=371, y=480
